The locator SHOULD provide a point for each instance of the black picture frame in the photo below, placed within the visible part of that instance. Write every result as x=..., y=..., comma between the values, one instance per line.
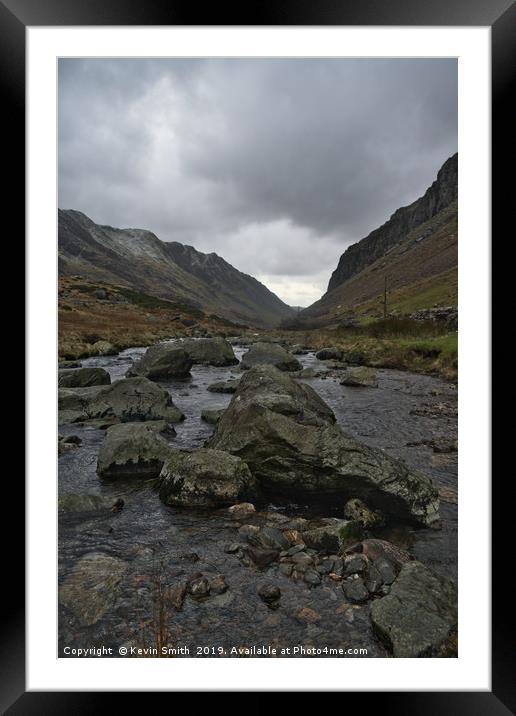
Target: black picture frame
x=500, y=15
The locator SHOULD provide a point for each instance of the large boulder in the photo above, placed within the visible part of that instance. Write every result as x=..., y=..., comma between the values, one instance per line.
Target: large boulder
x=83, y=378
x=162, y=361
x=286, y=434
x=270, y=354
x=418, y=617
x=125, y=400
x=133, y=450
x=134, y=399
x=72, y=403
x=209, y=351
x=205, y=478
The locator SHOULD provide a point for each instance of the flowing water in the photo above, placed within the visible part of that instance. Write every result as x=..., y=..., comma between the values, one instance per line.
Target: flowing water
x=153, y=539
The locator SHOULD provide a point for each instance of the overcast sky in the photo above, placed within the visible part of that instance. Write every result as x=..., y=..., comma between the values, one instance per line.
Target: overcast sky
x=276, y=165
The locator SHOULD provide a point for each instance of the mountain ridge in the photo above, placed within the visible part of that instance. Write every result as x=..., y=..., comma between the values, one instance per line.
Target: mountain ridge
x=440, y=194
x=138, y=259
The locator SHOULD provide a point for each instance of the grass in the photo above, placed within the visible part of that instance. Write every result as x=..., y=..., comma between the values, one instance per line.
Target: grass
x=418, y=346
x=139, y=320
x=438, y=291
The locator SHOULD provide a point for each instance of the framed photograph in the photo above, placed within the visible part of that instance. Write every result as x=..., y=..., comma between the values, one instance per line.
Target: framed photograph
x=258, y=261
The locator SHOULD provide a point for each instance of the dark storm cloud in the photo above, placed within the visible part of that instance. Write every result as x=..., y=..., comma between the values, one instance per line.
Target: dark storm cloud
x=277, y=165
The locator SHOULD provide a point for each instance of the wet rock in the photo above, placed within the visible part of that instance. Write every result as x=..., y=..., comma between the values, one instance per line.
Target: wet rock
x=91, y=589
x=204, y=478
x=83, y=378
x=302, y=561
x=246, y=531
x=386, y=570
x=232, y=548
x=71, y=439
x=312, y=577
x=262, y=557
x=375, y=549
x=296, y=549
x=298, y=524
x=161, y=362
x=329, y=354
x=218, y=584
x=325, y=567
x=269, y=593
x=104, y=348
x=269, y=538
x=360, y=376
x=223, y=386
x=355, y=590
x=212, y=416
x=286, y=435
x=355, y=565
x=270, y=354
x=328, y=538
x=418, y=615
x=133, y=450
x=358, y=511
x=199, y=588
x=241, y=510
x=134, y=399
x=286, y=569
x=373, y=579
x=209, y=351
x=118, y=505
x=307, y=615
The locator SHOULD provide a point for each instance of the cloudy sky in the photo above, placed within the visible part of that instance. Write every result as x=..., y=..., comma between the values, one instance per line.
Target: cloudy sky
x=277, y=165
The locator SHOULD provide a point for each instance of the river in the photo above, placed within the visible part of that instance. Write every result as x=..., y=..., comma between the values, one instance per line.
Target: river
x=152, y=538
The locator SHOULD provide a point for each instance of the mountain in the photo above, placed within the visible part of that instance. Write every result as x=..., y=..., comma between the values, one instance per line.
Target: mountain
x=438, y=196
x=138, y=259
x=414, y=254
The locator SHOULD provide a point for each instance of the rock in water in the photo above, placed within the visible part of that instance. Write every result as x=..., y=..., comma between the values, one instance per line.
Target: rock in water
x=162, y=362
x=329, y=354
x=104, y=348
x=209, y=351
x=83, y=378
x=418, y=615
x=134, y=399
x=205, y=478
x=286, y=434
x=212, y=416
x=133, y=450
x=224, y=386
x=270, y=354
x=91, y=588
x=360, y=377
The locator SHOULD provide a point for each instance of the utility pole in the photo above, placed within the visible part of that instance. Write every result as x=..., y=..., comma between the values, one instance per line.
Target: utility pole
x=385, y=297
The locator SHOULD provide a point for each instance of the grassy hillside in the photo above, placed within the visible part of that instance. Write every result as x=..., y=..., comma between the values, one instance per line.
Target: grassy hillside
x=92, y=311
x=420, y=271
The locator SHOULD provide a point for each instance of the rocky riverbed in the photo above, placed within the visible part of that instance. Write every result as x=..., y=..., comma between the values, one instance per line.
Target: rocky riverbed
x=135, y=572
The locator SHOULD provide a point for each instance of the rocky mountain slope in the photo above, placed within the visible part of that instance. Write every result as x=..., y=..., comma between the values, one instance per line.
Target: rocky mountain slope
x=437, y=197
x=414, y=254
x=138, y=259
